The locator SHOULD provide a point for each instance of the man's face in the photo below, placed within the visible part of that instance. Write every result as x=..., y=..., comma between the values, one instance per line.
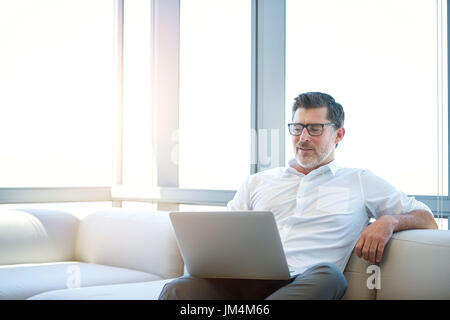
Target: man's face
x=313, y=151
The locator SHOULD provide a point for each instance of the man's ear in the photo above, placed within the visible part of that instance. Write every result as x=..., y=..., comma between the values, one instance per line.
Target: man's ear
x=340, y=133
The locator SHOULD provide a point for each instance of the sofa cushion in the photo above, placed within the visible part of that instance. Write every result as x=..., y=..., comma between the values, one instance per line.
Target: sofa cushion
x=135, y=239
x=26, y=280
x=36, y=235
x=130, y=291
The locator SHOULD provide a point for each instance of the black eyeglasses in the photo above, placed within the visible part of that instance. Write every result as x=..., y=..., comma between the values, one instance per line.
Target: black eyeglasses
x=314, y=129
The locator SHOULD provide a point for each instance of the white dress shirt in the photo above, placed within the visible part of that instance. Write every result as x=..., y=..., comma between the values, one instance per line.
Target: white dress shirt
x=321, y=215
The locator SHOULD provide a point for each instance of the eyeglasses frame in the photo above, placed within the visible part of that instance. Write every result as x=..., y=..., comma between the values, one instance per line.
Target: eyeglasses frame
x=307, y=126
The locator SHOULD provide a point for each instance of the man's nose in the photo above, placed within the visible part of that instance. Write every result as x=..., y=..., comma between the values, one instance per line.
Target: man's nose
x=304, y=136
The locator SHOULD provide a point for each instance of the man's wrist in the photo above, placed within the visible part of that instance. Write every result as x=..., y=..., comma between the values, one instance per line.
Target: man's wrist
x=393, y=221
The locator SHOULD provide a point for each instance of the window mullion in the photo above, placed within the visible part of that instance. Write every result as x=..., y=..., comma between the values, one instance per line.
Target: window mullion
x=268, y=86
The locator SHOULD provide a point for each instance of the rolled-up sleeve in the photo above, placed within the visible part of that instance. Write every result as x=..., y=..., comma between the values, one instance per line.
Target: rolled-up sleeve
x=382, y=198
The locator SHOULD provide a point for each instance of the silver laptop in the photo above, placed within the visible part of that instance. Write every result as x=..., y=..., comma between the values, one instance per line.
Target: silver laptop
x=230, y=244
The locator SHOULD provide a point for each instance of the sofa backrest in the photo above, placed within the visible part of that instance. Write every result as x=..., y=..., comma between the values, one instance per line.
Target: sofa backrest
x=36, y=235
x=142, y=240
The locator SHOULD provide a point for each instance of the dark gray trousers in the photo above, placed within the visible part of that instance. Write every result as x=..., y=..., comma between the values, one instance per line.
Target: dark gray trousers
x=323, y=281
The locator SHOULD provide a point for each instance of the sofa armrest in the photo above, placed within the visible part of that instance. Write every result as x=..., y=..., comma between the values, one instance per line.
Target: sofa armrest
x=36, y=235
x=416, y=265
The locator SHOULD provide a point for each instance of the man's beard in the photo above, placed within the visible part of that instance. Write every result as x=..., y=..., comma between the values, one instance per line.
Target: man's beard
x=314, y=161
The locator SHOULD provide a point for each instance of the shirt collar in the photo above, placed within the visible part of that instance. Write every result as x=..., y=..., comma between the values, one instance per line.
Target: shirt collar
x=332, y=167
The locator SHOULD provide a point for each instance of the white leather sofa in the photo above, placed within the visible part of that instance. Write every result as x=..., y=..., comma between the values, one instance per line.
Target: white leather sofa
x=131, y=254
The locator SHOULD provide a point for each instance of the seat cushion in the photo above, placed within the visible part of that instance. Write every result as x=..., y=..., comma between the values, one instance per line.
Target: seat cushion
x=129, y=291
x=26, y=280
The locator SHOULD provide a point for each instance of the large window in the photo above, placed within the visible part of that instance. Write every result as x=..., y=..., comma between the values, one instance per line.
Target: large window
x=56, y=84
x=215, y=88
x=383, y=61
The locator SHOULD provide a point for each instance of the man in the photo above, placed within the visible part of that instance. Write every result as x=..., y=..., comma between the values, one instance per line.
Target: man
x=322, y=212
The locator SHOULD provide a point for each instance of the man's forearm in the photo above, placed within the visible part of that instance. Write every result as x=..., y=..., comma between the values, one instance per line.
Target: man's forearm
x=418, y=219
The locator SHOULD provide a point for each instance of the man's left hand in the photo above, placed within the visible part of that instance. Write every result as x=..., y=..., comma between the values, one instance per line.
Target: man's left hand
x=374, y=238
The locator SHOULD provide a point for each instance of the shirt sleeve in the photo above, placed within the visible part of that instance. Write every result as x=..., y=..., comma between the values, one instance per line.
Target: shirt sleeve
x=382, y=198
x=241, y=200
